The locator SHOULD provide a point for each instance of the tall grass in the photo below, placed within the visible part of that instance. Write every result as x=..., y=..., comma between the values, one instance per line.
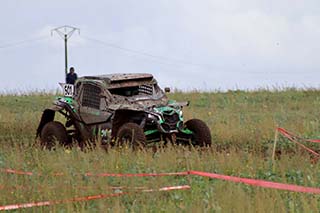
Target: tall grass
x=242, y=125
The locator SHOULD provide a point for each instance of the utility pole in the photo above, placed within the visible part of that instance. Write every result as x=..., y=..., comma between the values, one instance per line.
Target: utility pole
x=65, y=32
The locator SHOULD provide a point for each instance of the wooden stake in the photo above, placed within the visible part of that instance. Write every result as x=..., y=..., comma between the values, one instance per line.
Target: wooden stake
x=274, y=146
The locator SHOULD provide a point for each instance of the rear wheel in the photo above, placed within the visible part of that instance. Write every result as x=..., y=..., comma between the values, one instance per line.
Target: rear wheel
x=131, y=135
x=53, y=132
x=201, y=133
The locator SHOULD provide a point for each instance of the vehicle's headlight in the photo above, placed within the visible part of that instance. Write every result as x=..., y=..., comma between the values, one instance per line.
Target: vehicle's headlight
x=180, y=113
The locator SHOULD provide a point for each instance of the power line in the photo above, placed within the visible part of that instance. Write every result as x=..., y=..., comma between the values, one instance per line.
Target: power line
x=167, y=60
x=163, y=58
x=19, y=43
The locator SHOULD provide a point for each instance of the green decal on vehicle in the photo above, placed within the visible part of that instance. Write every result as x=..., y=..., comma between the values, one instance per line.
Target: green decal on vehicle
x=187, y=131
x=69, y=100
x=149, y=132
x=135, y=109
x=167, y=109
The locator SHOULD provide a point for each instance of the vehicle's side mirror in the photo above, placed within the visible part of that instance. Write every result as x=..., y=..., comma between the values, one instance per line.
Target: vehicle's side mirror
x=167, y=89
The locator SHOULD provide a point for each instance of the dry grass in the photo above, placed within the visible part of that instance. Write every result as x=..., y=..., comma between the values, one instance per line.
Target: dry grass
x=242, y=124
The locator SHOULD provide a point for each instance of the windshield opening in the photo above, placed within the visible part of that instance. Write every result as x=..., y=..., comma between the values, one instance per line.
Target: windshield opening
x=146, y=90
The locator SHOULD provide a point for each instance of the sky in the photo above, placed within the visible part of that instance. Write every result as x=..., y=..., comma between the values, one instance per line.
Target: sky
x=185, y=44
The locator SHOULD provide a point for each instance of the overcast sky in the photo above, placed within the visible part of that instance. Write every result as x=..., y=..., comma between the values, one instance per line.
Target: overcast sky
x=205, y=44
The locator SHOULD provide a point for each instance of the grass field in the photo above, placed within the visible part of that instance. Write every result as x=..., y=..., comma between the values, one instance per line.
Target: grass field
x=242, y=126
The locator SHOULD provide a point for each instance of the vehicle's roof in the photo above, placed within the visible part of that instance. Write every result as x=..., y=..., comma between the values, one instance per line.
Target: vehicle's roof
x=117, y=77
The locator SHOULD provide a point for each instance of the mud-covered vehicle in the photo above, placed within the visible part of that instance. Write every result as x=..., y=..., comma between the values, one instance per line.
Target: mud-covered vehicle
x=117, y=109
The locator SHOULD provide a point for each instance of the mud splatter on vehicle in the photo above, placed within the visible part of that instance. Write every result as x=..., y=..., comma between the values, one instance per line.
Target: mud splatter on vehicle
x=118, y=109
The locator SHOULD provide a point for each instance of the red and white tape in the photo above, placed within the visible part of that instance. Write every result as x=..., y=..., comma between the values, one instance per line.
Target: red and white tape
x=86, y=198
x=55, y=202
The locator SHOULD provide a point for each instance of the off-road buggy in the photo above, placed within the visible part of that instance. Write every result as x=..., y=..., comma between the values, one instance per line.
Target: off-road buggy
x=118, y=109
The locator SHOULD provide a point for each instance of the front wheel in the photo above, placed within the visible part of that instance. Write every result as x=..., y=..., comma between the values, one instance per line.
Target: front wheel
x=201, y=133
x=53, y=132
x=131, y=134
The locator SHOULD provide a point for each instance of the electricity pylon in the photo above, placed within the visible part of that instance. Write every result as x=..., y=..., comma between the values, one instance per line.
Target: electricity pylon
x=65, y=32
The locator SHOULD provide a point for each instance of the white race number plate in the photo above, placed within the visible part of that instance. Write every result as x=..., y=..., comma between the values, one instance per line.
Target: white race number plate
x=68, y=89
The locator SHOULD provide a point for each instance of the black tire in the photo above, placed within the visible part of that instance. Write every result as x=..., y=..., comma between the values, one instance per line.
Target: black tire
x=201, y=132
x=131, y=134
x=53, y=132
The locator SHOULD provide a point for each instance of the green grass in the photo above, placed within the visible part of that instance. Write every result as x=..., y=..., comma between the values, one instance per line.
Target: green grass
x=242, y=125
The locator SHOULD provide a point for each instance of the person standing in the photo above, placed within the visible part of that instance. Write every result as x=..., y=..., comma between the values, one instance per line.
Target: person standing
x=71, y=76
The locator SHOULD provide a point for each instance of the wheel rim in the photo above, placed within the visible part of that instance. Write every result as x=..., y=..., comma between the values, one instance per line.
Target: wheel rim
x=126, y=138
x=50, y=141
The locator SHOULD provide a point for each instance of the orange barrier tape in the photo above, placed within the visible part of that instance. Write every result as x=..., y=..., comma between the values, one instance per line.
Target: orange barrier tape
x=282, y=130
x=88, y=174
x=250, y=181
x=292, y=137
x=137, y=175
x=39, y=187
x=50, y=203
x=260, y=183
x=19, y=172
x=86, y=198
